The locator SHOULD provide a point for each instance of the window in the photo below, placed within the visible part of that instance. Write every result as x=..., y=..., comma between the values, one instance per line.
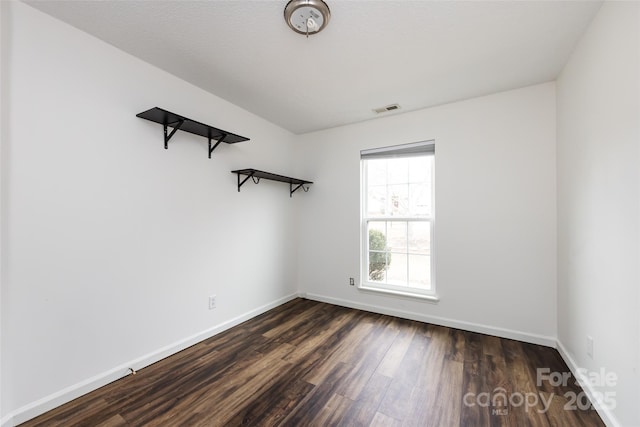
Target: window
x=398, y=219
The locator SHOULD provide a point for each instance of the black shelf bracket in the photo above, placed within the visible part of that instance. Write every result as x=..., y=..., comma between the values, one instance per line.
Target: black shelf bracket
x=177, y=122
x=216, y=145
x=241, y=183
x=256, y=175
x=175, y=129
x=293, y=190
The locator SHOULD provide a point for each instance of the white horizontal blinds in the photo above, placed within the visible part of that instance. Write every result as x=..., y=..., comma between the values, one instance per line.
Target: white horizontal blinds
x=404, y=150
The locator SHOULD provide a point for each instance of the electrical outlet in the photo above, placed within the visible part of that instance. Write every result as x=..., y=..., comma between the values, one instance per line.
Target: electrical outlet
x=590, y=346
x=352, y=282
x=212, y=302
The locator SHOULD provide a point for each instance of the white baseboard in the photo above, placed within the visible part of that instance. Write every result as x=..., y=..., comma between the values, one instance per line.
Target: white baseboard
x=441, y=321
x=605, y=413
x=63, y=396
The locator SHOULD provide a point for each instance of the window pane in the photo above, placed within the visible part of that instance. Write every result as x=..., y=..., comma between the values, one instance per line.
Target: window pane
x=397, y=171
x=419, y=200
x=377, y=235
x=397, y=269
x=378, y=266
x=397, y=236
x=419, y=170
x=378, y=250
x=377, y=200
x=420, y=237
x=377, y=172
x=399, y=195
x=420, y=271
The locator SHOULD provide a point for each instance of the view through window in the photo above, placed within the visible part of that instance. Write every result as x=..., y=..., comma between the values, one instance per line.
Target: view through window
x=398, y=217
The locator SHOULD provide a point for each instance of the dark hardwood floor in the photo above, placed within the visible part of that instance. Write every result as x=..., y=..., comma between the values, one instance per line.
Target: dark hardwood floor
x=309, y=363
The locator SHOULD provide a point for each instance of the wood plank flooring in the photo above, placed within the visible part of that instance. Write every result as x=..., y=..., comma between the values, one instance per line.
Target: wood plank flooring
x=307, y=363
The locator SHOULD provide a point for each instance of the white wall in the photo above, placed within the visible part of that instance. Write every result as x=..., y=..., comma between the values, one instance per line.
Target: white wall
x=3, y=120
x=114, y=243
x=495, y=213
x=598, y=198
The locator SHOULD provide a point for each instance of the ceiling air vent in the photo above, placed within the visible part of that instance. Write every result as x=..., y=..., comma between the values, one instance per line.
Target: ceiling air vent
x=387, y=108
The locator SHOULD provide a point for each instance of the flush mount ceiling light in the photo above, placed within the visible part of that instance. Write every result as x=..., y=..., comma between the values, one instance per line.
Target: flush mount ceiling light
x=307, y=16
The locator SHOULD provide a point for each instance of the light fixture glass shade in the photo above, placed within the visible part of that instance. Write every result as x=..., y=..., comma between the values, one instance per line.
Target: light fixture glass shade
x=307, y=16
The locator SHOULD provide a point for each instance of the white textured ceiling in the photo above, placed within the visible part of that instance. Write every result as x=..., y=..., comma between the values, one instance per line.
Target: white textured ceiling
x=373, y=53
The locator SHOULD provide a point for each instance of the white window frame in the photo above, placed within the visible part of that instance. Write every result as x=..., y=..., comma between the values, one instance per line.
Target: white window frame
x=404, y=150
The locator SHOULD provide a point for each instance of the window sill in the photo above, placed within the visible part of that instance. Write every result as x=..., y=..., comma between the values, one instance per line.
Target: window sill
x=430, y=298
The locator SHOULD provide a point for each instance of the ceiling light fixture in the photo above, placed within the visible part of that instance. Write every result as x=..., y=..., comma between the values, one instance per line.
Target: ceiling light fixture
x=307, y=16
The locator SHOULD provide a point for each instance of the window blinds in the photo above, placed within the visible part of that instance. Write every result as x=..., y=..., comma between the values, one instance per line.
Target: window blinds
x=403, y=150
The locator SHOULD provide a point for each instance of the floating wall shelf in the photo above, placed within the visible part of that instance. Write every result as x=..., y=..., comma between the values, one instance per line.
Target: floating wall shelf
x=256, y=175
x=178, y=122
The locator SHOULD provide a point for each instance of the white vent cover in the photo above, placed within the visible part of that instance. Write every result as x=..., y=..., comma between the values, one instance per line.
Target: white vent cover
x=387, y=108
